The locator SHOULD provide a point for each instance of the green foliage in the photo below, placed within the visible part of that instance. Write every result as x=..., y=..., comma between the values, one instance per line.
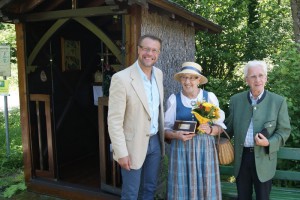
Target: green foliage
x=14, y=134
x=245, y=34
x=13, y=79
x=161, y=192
x=224, y=89
x=11, y=166
x=284, y=80
x=13, y=189
x=8, y=36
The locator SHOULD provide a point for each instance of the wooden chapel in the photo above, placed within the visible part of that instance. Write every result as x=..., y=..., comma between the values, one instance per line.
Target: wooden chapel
x=66, y=51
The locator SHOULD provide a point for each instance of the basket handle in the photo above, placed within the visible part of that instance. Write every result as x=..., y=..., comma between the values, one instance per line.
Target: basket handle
x=223, y=131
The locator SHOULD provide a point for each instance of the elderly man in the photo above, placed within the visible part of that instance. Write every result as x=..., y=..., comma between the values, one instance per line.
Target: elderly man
x=260, y=124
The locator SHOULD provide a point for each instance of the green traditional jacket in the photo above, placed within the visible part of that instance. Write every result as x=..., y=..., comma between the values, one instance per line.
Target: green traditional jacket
x=271, y=113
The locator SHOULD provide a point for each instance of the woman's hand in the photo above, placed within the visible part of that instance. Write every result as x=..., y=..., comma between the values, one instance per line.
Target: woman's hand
x=178, y=135
x=206, y=128
x=184, y=135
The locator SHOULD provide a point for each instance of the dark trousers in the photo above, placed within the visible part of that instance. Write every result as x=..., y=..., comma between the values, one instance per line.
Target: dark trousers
x=247, y=177
x=141, y=183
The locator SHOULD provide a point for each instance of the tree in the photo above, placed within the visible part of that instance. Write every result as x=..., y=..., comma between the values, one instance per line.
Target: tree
x=295, y=7
x=8, y=36
x=252, y=30
x=284, y=80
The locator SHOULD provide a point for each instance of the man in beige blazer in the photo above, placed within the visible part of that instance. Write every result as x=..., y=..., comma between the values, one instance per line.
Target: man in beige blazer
x=135, y=121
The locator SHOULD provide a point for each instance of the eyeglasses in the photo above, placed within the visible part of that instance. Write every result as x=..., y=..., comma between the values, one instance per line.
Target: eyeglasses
x=192, y=78
x=254, y=77
x=147, y=49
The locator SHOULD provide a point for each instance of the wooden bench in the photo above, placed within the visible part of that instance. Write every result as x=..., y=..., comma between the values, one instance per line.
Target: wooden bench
x=278, y=193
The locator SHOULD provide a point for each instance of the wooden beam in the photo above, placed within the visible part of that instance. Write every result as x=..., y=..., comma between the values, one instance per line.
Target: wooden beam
x=102, y=101
x=132, y=33
x=20, y=7
x=51, y=5
x=85, y=23
x=93, y=3
x=44, y=39
x=29, y=5
x=45, y=171
x=102, y=36
x=72, y=13
x=26, y=141
x=138, y=2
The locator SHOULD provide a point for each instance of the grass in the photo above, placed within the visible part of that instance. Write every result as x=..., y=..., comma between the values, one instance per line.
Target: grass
x=11, y=163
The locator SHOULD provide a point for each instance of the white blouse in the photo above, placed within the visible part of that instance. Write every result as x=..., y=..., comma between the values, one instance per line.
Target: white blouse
x=170, y=114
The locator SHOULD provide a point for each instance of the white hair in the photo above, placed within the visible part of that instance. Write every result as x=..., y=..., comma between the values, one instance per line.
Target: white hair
x=255, y=63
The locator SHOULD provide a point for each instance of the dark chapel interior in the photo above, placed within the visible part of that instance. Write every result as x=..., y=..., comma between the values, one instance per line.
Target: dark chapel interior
x=74, y=115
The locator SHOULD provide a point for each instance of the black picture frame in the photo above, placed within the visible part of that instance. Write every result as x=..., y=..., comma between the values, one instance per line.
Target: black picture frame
x=189, y=126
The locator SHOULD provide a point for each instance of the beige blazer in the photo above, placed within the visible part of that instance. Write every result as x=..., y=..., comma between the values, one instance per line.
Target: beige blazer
x=129, y=116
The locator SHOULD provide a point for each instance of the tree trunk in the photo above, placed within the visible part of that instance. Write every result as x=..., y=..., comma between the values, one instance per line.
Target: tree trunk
x=295, y=6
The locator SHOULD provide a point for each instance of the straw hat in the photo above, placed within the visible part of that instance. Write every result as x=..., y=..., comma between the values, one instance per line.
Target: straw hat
x=191, y=68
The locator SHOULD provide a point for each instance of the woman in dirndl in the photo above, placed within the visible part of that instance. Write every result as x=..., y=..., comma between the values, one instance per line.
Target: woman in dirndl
x=193, y=161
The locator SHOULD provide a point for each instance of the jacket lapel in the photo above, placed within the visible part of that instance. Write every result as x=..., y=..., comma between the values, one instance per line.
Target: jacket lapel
x=138, y=86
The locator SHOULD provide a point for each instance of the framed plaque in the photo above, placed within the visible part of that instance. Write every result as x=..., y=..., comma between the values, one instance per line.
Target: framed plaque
x=189, y=126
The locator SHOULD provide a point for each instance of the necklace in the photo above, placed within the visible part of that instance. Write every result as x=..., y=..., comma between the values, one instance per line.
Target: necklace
x=193, y=102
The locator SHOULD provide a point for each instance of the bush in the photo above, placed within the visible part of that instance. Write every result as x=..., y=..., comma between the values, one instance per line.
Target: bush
x=11, y=165
x=224, y=89
x=15, y=159
x=284, y=80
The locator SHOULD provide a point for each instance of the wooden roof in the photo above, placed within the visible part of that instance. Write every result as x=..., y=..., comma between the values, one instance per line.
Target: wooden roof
x=15, y=11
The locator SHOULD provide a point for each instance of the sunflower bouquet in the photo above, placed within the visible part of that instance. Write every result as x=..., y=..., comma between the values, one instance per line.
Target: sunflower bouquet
x=205, y=113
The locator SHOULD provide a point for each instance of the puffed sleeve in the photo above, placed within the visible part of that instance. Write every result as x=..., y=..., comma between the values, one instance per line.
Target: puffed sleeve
x=170, y=114
x=214, y=100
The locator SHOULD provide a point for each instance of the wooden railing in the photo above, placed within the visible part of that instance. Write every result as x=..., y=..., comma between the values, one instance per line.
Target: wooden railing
x=109, y=169
x=42, y=137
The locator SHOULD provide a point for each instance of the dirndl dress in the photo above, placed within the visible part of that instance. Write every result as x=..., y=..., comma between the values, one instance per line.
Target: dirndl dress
x=193, y=165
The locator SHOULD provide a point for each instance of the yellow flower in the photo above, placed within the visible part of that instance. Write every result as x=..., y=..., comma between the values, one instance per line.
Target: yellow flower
x=200, y=119
x=205, y=113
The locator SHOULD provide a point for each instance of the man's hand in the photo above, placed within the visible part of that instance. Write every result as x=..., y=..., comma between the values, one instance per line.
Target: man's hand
x=261, y=140
x=124, y=162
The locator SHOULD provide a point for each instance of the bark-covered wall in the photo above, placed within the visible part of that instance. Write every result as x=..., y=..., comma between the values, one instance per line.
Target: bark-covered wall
x=178, y=46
